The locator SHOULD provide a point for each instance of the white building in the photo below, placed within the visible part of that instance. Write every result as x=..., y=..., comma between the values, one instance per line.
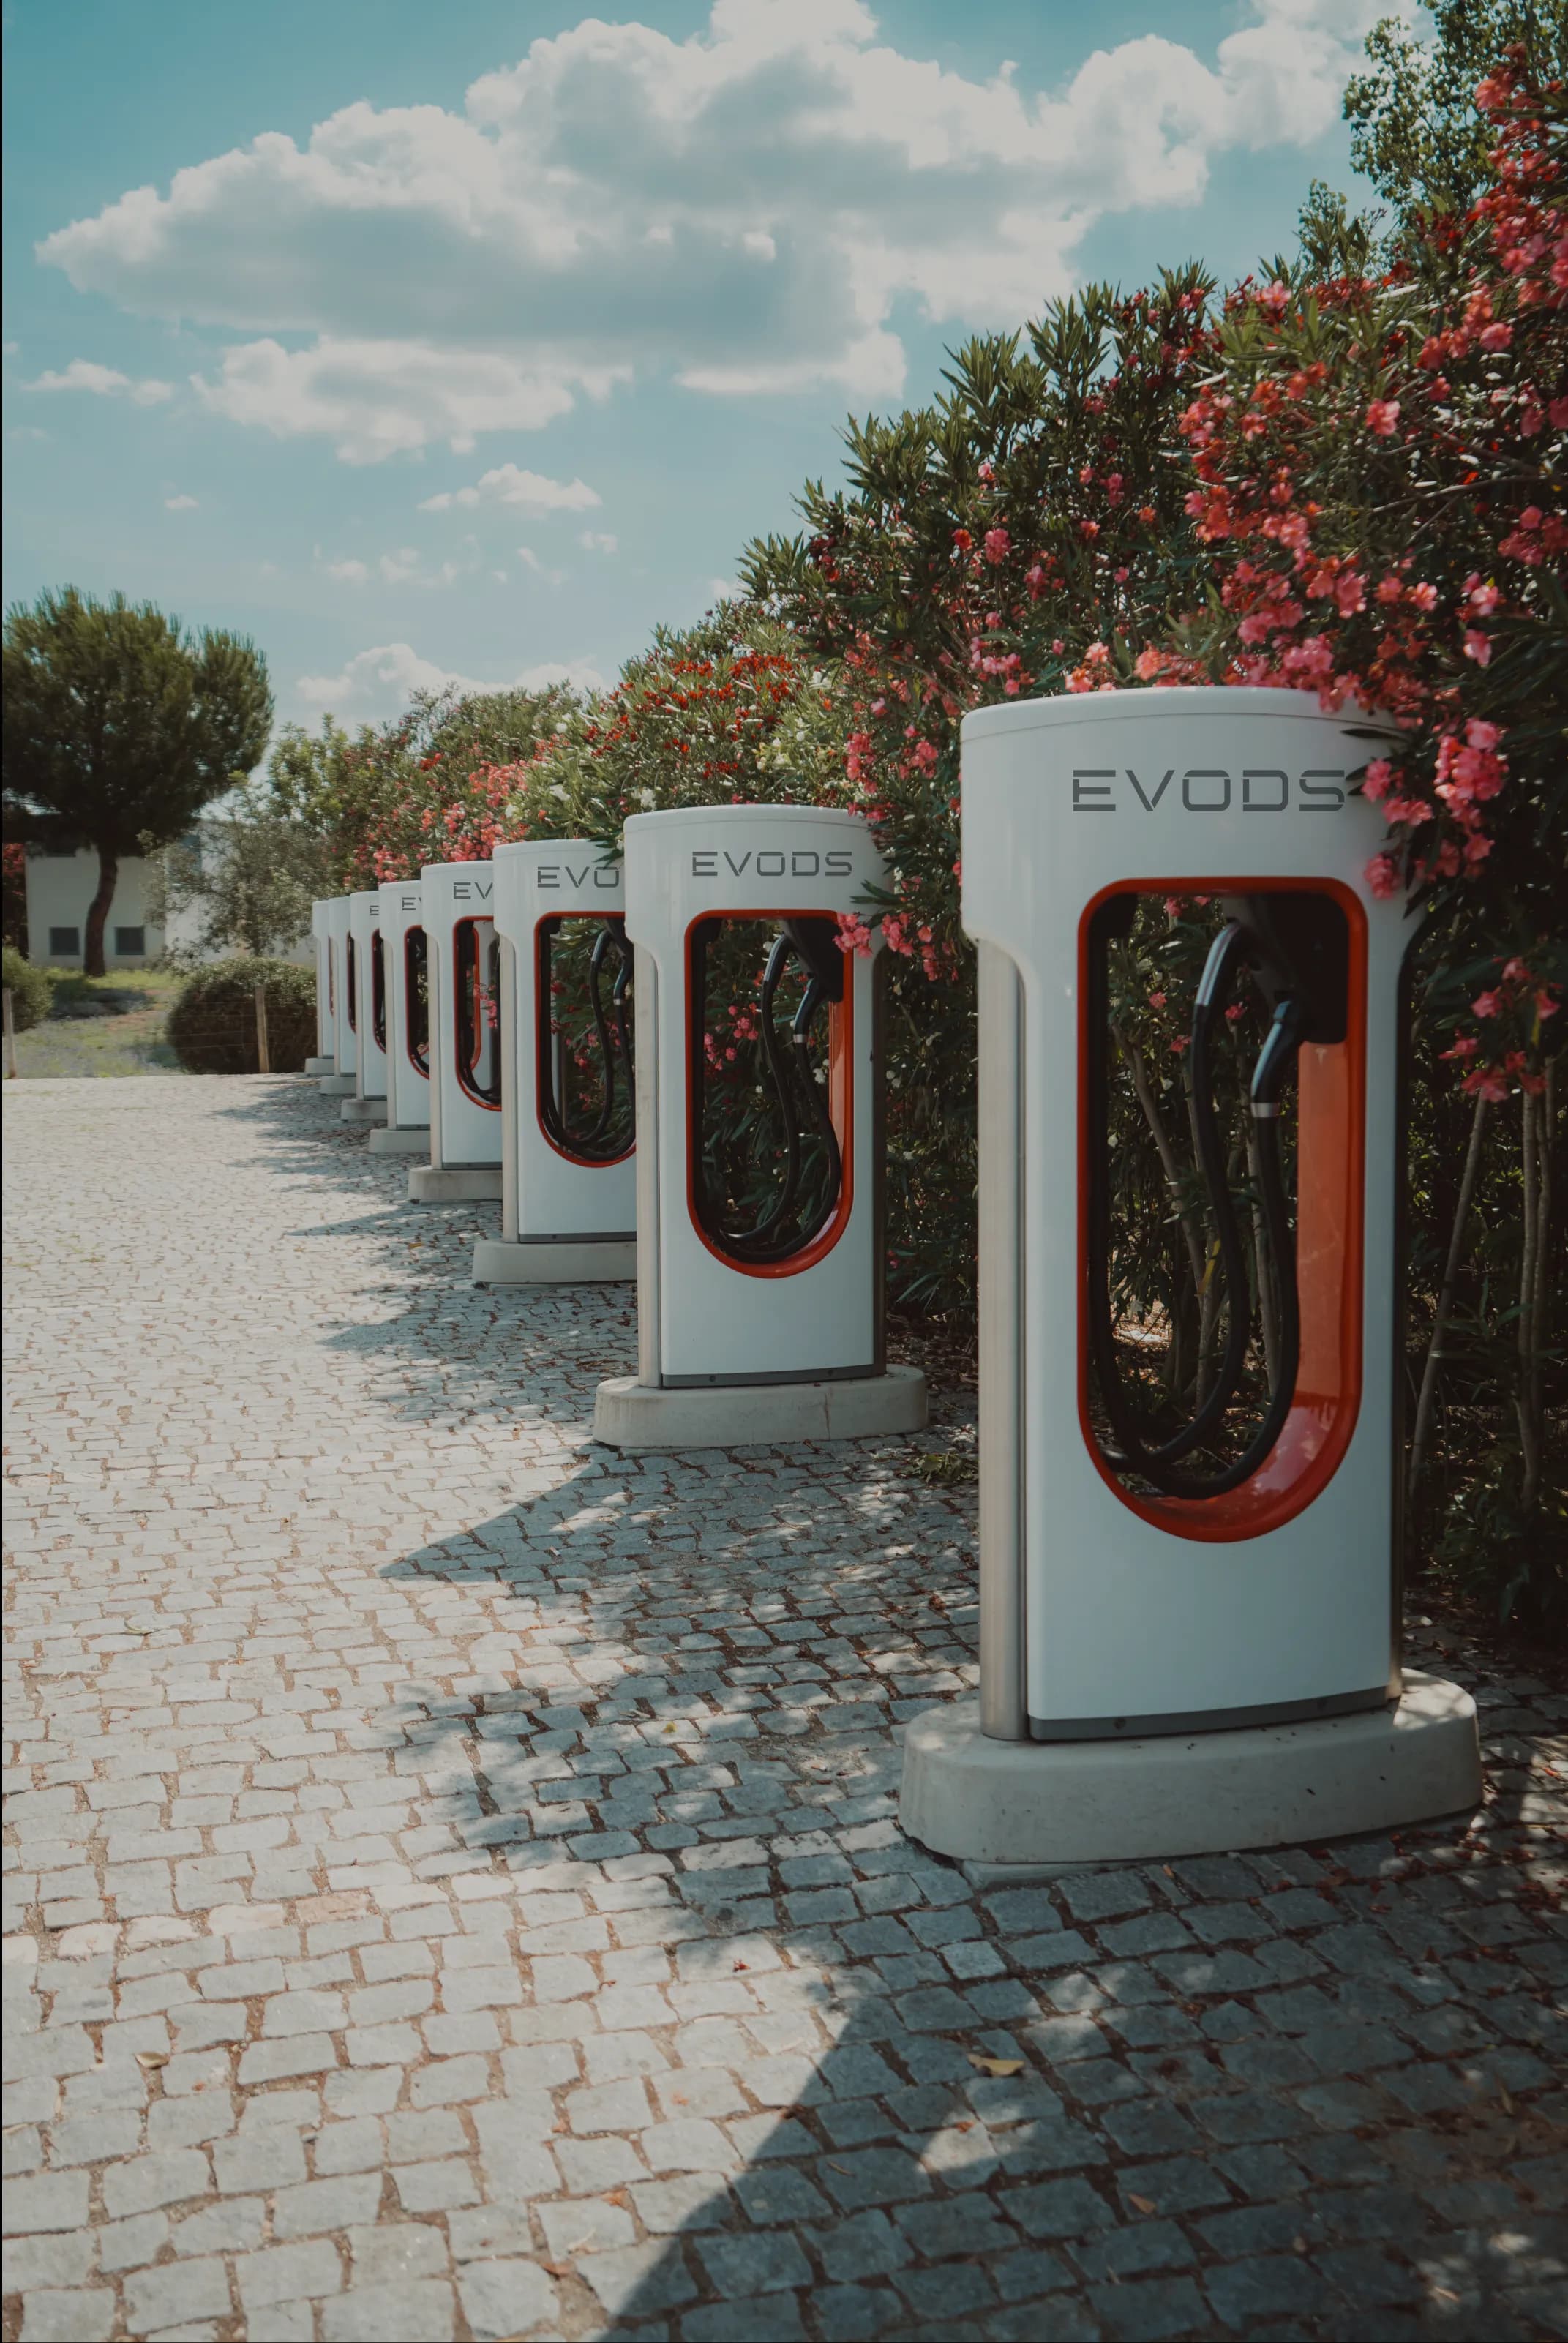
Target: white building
x=61, y=887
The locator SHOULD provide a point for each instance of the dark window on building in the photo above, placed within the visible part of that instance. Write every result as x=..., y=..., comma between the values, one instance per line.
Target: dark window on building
x=64, y=940
x=130, y=943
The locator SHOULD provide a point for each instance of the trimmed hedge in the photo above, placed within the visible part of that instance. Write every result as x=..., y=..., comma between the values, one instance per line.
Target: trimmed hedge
x=30, y=988
x=211, y=1028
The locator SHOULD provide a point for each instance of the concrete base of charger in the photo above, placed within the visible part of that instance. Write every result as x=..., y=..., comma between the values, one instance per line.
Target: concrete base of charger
x=337, y=1086
x=1039, y=1803
x=563, y=1261
x=630, y=1415
x=321, y=1065
x=401, y=1138
x=454, y=1183
x=366, y=1110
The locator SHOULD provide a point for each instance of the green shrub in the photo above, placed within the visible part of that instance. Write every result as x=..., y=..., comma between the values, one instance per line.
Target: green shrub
x=211, y=1028
x=29, y=987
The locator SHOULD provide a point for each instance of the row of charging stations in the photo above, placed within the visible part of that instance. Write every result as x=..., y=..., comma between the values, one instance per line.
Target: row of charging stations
x=665, y=1069
x=1189, y=1628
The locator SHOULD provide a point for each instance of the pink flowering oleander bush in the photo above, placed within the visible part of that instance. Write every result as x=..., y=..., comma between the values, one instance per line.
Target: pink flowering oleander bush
x=1343, y=475
x=1346, y=478
x=1381, y=460
x=431, y=787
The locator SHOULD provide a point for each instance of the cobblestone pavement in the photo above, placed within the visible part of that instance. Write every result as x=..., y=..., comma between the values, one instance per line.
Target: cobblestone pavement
x=456, y=1889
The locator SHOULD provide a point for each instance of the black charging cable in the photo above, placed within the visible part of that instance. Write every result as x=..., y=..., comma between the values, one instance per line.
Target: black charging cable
x=776, y=1235
x=1159, y=1463
x=609, y=1134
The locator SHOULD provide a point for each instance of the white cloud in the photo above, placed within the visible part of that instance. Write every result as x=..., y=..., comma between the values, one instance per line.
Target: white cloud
x=380, y=399
x=402, y=569
x=743, y=208
x=382, y=680
x=598, y=540
x=530, y=560
x=105, y=382
x=533, y=491
x=181, y=504
x=403, y=566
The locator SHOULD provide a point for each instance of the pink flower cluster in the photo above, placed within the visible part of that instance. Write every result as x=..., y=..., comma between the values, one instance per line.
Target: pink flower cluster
x=1518, y=1004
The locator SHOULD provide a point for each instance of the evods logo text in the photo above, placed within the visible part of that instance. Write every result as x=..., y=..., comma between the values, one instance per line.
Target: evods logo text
x=602, y=874
x=1208, y=789
x=805, y=862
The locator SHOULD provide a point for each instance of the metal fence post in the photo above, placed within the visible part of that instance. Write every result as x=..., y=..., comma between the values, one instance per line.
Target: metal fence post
x=10, y=1023
x=263, y=1057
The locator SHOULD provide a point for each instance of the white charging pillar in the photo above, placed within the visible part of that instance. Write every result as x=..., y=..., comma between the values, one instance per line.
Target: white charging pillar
x=1168, y=1674
x=343, y=974
x=368, y=1105
x=323, y=1062
x=408, y=1127
x=462, y=961
x=568, y=1171
x=740, y=1340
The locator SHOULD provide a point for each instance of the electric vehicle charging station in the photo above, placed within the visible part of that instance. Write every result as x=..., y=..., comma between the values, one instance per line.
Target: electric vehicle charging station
x=760, y=1239
x=569, y=1170
x=323, y=1062
x=408, y=1126
x=342, y=1083
x=368, y=1104
x=1181, y=1655
x=462, y=972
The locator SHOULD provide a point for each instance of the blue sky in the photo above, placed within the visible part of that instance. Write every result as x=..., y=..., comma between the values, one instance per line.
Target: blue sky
x=473, y=341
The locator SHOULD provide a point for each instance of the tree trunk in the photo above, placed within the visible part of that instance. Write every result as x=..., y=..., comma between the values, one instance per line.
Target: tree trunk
x=1529, y=1422
x=98, y=912
x=1542, y=1304
x=1445, y=1294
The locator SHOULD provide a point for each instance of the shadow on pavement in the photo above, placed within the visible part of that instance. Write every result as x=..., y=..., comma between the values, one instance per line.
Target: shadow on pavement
x=775, y=2072
x=793, y=2077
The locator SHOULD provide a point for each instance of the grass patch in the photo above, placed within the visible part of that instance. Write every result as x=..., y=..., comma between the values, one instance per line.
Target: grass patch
x=100, y=1026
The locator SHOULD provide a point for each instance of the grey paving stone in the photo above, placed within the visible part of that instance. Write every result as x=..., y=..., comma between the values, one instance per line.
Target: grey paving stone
x=847, y=2312
x=766, y=2262
x=288, y=2273
x=1104, y=1895
x=1150, y=2309
x=1131, y=2251
x=534, y=1810
x=1274, y=2286
x=770, y=2319
x=943, y=2296
x=67, y=2315
x=130, y=2245
x=877, y=2176
x=176, y=2295
x=421, y=2310
x=47, y=2200
x=149, y=2181
x=778, y=2193
x=1058, y=2209
x=644, y=2278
